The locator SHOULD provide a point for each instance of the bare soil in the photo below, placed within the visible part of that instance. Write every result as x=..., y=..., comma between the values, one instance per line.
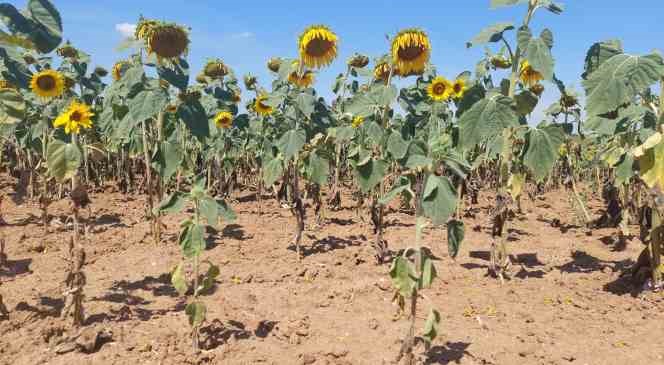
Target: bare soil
x=566, y=303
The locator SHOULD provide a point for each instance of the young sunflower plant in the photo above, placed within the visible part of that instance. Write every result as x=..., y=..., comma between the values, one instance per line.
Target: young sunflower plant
x=493, y=118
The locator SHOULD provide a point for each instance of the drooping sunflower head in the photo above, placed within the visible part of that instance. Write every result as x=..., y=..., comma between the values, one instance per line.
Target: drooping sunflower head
x=537, y=89
x=223, y=119
x=250, y=81
x=357, y=121
x=261, y=107
x=144, y=28
x=215, y=69
x=67, y=51
x=318, y=46
x=302, y=79
x=382, y=71
x=459, y=87
x=411, y=51
x=77, y=115
x=568, y=100
x=273, y=64
x=4, y=84
x=168, y=41
x=358, y=60
x=119, y=69
x=440, y=89
x=201, y=79
x=528, y=75
x=237, y=97
x=47, y=83
x=29, y=59
x=100, y=71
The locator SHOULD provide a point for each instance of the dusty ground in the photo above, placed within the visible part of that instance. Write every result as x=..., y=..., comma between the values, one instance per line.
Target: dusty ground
x=566, y=305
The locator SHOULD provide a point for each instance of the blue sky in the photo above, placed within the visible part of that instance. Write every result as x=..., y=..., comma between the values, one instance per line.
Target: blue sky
x=247, y=33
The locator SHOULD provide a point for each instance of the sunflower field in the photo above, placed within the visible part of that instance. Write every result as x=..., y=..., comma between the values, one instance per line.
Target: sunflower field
x=152, y=214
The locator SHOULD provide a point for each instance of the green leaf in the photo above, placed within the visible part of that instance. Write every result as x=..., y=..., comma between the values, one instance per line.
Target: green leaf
x=273, y=170
x=173, y=203
x=396, y=145
x=429, y=273
x=501, y=3
x=539, y=56
x=542, y=150
x=624, y=171
x=491, y=34
x=306, y=103
x=12, y=106
x=523, y=37
x=651, y=166
x=167, y=159
x=318, y=169
x=147, y=104
x=291, y=143
x=370, y=174
x=63, y=160
x=618, y=80
x=487, y=118
x=194, y=117
x=192, y=241
x=439, y=199
x=404, y=185
x=175, y=73
x=417, y=161
x=431, y=327
x=209, y=209
x=599, y=53
x=208, y=279
x=48, y=35
x=367, y=103
x=225, y=211
x=547, y=37
x=526, y=101
x=455, y=236
x=403, y=276
x=178, y=279
x=196, y=312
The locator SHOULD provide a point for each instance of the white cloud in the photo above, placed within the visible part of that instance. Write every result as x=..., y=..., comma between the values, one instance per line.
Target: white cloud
x=242, y=35
x=126, y=29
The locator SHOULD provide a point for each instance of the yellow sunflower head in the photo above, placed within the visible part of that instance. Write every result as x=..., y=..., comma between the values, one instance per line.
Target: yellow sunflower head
x=273, y=64
x=357, y=121
x=48, y=83
x=67, y=51
x=411, y=51
x=119, y=69
x=358, y=61
x=167, y=41
x=4, y=84
x=382, y=71
x=144, y=28
x=223, y=119
x=215, y=69
x=260, y=107
x=77, y=115
x=302, y=79
x=459, y=87
x=528, y=75
x=318, y=46
x=440, y=89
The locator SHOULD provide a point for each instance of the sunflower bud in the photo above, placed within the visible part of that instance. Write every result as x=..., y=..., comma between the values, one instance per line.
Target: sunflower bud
x=273, y=64
x=100, y=71
x=358, y=61
x=29, y=59
x=537, y=89
x=186, y=96
x=500, y=62
x=67, y=51
x=568, y=101
x=250, y=82
x=215, y=69
x=69, y=82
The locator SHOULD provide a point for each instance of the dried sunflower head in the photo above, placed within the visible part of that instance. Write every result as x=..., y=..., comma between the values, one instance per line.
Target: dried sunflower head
x=358, y=61
x=273, y=64
x=250, y=81
x=100, y=71
x=215, y=69
x=167, y=41
x=67, y=51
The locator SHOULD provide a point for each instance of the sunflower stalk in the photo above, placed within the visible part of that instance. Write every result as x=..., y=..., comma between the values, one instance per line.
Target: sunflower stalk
x=148, y=178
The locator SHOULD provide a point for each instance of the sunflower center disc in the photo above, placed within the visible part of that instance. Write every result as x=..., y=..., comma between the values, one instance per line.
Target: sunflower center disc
x=410, y=53
x=438, y=89
x=318, y=47
x=46, y=82
x=76, y=116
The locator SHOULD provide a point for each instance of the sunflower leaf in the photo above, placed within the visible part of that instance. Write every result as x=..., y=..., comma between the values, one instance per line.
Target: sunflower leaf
x=542, y=146
x=439, y=199
x=599, y=53
x=63, y=160
x=538, y=54
x=12, y=106
x=291, y=143
x=491, y=34
x=485, y=119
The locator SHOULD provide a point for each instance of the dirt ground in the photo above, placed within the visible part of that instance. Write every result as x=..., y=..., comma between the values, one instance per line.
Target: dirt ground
x=565, y=305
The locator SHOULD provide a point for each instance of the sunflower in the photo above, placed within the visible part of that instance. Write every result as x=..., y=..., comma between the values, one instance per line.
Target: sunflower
x=223, y=119
x=318, y=46
x=358, y=61
x=357, y=121
x=119, y=69
x=250, y=81
x=459, y=87
x=67, y=51
x=167, y=41
x=304, y=79
x=528, y=75
x=260, y=107
x=171, y=108
x=215, y=69
x=237, y=97
x=440, y=89
x=77, y=115
x=201, y=79
x=273, y=64
x=500, y=62
x=48, y=83
x=144, y=28
x=100, y=71
x=4, y=84
x=69, y=83
x=411, y=50
x=537, y=89
x=382, y=71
